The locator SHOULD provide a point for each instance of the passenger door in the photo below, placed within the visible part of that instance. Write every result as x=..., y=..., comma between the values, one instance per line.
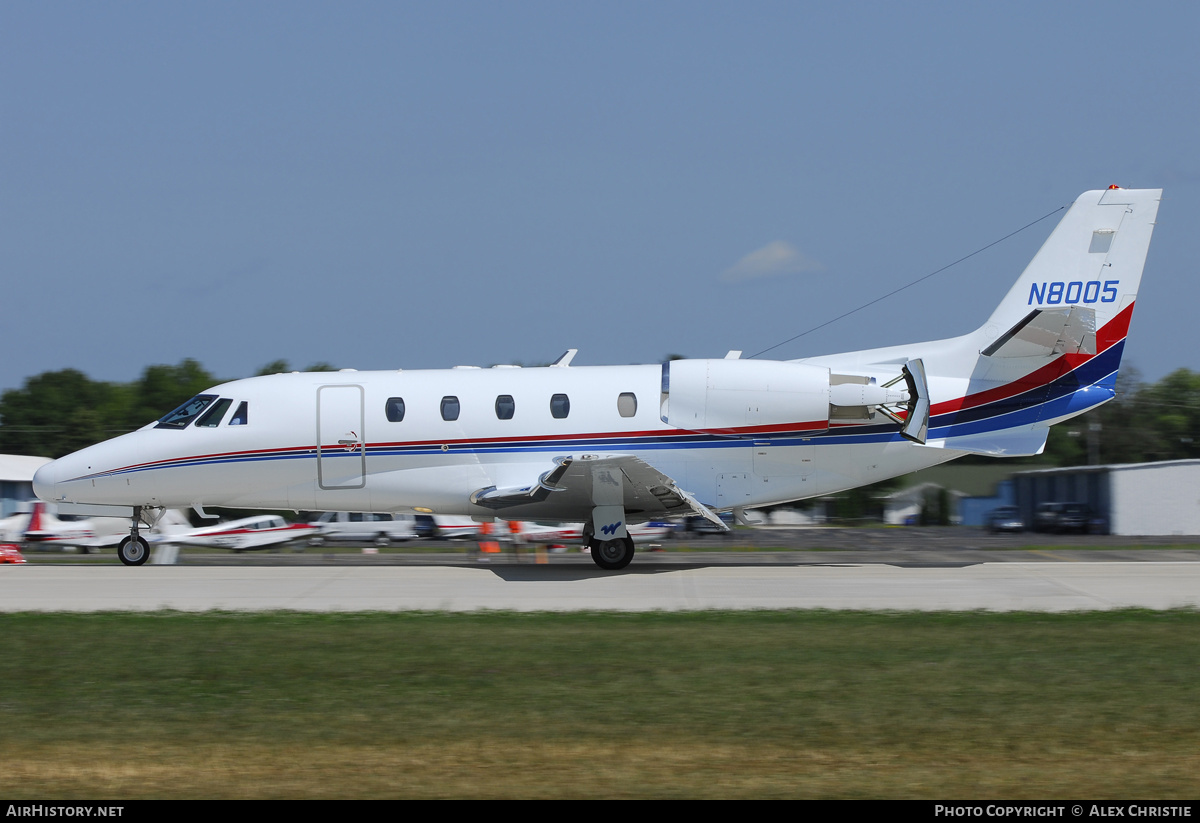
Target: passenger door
x=341, y=442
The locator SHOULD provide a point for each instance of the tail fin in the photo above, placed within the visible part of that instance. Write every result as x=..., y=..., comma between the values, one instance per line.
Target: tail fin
x=35, y=517
x=1052, y=348
x=1090, y=266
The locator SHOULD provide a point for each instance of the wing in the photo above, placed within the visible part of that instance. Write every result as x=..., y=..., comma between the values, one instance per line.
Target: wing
x=575, y=486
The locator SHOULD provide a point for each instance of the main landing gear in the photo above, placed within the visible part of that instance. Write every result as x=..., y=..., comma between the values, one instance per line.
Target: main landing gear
x=611, y=555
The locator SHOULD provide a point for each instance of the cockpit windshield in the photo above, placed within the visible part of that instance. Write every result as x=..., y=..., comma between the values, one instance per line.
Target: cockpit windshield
x=186, y=413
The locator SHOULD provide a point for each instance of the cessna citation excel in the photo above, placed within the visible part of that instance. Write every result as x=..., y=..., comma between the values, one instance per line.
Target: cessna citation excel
x=608, y=445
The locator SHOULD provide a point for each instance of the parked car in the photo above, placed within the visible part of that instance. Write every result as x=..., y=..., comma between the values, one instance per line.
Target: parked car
x=694, y=524
x=1005, y=519
x=425, y=526
x=364, y=526
x=1068, y=517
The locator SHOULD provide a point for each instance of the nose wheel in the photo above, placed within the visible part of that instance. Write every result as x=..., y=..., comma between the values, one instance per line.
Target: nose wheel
x=133, y=550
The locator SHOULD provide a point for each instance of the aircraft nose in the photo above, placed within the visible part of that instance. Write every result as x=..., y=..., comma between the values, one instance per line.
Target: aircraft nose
x=46, y=479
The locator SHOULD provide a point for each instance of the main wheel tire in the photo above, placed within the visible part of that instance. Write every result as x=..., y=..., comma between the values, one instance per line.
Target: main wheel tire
x=133, y=552
x=612, y=555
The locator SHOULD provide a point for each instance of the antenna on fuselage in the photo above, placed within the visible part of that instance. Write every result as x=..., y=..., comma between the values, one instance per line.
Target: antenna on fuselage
x=565, y=358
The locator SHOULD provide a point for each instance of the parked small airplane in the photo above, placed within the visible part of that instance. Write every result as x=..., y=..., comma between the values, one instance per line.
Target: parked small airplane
x=258, y=532
x=41, y=529
x=608, y=444
x=45, y=529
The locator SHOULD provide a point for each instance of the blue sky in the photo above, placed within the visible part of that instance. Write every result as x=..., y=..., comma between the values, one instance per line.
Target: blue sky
x=409, y=185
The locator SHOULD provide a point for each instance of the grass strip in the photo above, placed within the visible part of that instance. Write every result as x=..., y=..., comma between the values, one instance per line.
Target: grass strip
x=711, y=704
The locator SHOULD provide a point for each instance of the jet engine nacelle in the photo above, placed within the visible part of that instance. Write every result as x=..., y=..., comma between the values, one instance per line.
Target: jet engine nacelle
x=725, y=395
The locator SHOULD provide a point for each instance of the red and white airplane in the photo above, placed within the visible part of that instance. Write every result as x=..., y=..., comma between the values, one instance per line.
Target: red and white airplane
x=609, y=445
x=259, y=532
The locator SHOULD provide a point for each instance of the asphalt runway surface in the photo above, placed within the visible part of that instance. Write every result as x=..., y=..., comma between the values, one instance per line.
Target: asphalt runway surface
x=868, y=569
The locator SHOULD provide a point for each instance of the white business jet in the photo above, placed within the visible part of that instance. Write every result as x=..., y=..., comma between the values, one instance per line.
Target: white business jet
x=611, y=444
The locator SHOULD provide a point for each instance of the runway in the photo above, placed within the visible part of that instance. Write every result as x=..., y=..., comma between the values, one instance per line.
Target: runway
x=648, y=586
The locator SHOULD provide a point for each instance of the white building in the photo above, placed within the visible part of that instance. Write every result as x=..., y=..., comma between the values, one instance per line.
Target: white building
x=1136, y=498
x=16, y=481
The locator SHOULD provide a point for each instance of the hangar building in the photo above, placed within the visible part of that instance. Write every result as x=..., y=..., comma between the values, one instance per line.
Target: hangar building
x=1135, y=498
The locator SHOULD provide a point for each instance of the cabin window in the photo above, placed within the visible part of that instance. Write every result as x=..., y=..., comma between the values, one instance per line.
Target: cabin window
x=450, y=407
x=505, y=407
x=395, y=409
x=212, y=418
x=241, y=416
x=560, y=406
x=186, y=413
x=627, y=404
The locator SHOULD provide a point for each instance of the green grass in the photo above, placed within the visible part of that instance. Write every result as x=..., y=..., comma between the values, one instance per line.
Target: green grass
x=795, y=704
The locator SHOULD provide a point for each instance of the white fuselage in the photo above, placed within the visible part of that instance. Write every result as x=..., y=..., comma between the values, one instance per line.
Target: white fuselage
x=323, y=441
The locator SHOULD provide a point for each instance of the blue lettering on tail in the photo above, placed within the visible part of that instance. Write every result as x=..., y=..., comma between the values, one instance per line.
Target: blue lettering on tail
x=1070, y=293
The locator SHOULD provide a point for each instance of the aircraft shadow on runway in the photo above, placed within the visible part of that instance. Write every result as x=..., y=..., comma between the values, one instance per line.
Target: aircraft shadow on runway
x=516, y=573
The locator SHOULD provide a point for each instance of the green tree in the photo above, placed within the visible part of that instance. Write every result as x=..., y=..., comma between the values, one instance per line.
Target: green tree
x=56, y=413
x=274, y=367
x=282, y=367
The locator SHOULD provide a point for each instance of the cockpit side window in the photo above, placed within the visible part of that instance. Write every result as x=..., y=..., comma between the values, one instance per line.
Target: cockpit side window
x=186, y=413
x=212, y=418
x=240, y=417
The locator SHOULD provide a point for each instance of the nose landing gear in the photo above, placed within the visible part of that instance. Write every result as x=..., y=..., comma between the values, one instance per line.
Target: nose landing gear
x=134, y=550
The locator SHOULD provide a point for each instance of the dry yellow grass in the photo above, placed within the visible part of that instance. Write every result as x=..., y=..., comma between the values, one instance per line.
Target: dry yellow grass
x=637, y=768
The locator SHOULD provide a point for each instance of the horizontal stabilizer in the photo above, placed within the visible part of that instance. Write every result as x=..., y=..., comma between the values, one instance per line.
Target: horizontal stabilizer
x=1048, y=333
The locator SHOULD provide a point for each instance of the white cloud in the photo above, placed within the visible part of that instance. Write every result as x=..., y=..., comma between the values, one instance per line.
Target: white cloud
x=779, y=257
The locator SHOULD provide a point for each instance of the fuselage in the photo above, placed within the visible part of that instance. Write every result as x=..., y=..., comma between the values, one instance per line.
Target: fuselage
x=426, y=440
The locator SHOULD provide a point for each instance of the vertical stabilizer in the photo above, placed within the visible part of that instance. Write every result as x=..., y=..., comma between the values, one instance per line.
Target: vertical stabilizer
x=1093, y=260
x=35, y=518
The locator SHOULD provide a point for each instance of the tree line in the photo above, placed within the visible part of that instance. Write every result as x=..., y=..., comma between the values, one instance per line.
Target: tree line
x=1145, y=422
x=59, y=412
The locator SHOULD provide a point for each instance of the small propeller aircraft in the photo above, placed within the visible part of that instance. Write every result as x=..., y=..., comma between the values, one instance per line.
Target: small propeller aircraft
x=258, y=532
x=607, y=445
